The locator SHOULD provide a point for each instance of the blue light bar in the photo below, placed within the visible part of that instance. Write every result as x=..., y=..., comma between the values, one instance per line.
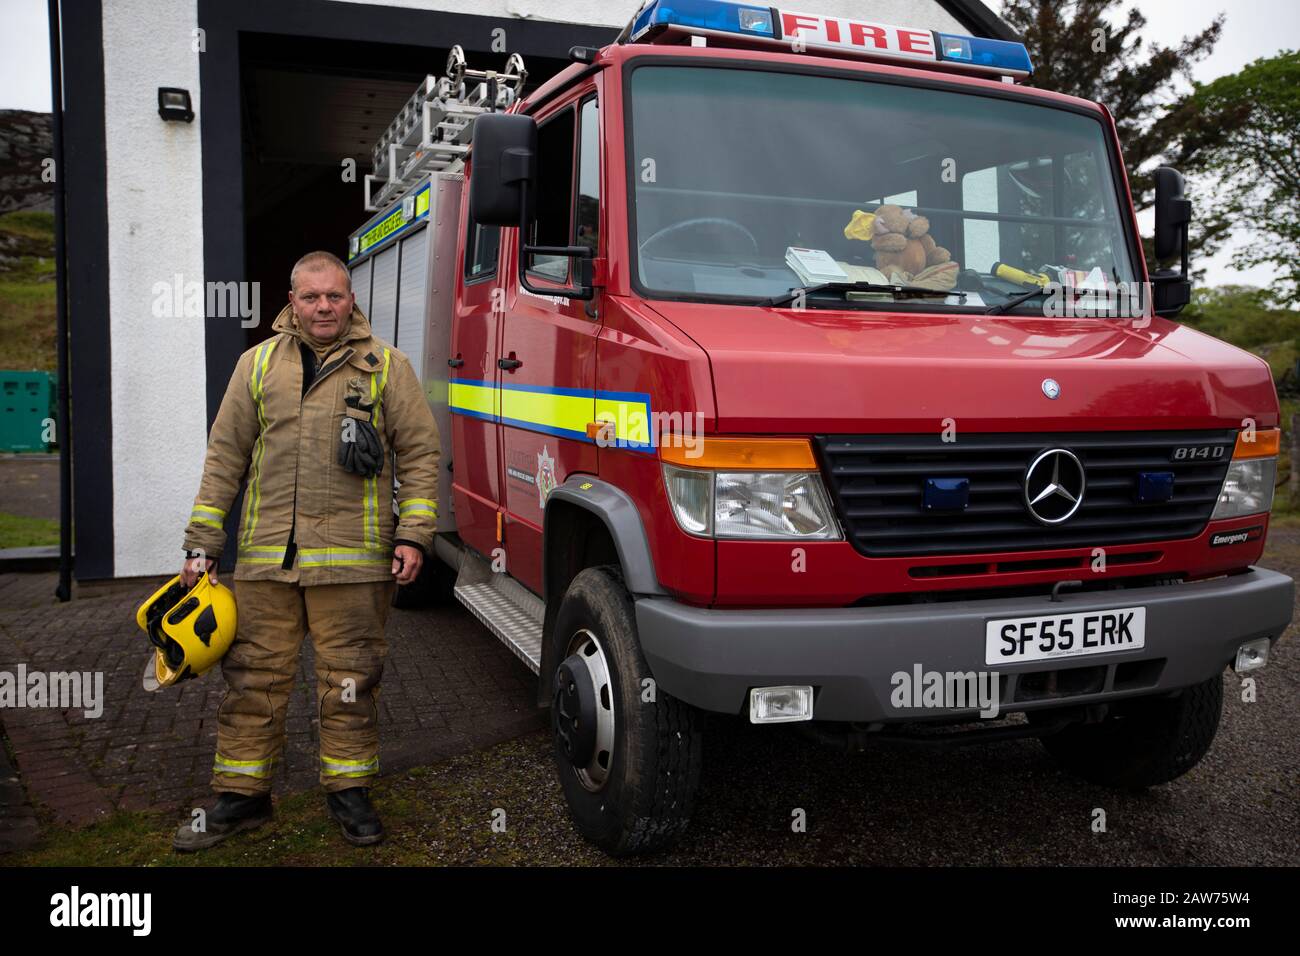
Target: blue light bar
x=706, y=15
x=667, y=20
x=1000, y=56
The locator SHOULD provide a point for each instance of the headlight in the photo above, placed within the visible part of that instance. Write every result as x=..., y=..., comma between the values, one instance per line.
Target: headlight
x=1247, y=488
x=690, y=493
x=750, y=504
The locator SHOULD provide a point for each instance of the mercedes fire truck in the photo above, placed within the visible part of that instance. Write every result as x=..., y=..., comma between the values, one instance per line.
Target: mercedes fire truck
x=778, y=374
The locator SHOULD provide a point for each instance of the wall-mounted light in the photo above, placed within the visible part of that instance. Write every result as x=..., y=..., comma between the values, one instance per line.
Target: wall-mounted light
x=174, y=104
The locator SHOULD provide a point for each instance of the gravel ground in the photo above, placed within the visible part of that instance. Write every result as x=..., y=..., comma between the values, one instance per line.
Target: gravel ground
x=992, y=804
x=29, y=486
x=1002, y=803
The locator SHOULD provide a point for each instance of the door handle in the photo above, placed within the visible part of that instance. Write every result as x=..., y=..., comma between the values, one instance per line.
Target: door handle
x=509, y=364
x=456, y=362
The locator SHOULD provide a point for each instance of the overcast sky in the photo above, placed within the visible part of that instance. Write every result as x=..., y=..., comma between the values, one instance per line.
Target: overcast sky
x=1253, y=29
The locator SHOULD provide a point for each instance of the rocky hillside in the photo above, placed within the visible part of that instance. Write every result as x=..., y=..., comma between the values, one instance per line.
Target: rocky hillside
x=26, y=242
x=25, y=141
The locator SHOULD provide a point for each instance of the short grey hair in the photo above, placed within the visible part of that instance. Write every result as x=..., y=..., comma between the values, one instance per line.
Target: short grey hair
x=314, y=261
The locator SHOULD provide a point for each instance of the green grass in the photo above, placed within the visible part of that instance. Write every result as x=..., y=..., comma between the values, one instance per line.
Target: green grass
x=27, y=294
x=19, y=532
x=27, y=324
x=30, y=224
x=1281, y=357
x=437, y=815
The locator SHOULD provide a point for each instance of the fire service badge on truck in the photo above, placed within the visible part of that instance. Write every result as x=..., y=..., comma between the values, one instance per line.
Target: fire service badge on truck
x=545, y=476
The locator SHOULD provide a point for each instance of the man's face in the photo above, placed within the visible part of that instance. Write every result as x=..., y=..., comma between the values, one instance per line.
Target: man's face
x=322, y=301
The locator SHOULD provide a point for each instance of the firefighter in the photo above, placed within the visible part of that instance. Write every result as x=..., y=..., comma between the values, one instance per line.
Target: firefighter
x=321, y=419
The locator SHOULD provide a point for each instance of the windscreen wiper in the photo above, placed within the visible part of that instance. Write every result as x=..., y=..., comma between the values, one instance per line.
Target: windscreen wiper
x=1013, y=302
x=905, y=290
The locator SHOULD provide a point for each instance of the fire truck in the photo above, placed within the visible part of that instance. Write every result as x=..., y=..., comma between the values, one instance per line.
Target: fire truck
x=776, y=379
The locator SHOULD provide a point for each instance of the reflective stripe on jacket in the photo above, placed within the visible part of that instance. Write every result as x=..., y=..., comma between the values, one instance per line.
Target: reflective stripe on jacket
x=304, y=518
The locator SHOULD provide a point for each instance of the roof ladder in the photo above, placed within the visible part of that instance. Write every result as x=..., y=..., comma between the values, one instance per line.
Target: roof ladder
x=433, y=130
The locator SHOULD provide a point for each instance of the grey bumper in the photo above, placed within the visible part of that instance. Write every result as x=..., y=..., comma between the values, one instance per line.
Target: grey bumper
x=711, y=658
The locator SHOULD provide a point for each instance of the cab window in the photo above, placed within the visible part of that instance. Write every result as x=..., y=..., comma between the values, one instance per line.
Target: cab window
x=586, y=217
x=481, y=246
x=554, y=194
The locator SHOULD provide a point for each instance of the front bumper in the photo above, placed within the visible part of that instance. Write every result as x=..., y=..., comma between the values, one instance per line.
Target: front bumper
x=711, y=658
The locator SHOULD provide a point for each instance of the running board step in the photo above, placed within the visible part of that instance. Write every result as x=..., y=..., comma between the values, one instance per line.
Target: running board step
x=504, y=606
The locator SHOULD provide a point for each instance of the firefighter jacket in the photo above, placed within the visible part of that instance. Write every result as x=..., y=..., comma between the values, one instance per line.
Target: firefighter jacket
x=304, y=517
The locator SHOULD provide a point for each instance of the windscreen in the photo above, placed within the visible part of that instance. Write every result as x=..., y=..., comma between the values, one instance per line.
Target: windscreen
x=749, y=183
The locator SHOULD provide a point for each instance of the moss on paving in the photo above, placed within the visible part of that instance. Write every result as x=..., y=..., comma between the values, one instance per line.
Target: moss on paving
x=437, y=815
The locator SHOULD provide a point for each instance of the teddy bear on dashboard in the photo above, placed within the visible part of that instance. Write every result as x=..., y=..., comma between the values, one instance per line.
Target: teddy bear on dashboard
x=903, y=246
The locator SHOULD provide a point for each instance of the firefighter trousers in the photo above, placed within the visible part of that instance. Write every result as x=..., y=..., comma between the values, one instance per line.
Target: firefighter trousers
x=346, y=622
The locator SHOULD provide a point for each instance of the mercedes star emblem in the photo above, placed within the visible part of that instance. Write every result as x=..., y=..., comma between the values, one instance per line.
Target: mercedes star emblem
x=1054, y=485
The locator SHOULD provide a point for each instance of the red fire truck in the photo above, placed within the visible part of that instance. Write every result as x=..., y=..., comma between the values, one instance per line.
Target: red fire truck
x=779, y=376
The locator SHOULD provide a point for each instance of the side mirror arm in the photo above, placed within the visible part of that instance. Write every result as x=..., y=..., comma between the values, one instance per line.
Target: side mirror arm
x=584, y=290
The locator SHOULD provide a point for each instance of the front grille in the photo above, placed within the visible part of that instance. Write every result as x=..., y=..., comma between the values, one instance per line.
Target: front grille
x=878, y=484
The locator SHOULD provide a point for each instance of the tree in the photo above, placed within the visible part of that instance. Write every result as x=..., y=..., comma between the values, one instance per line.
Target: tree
x=1257, y=162
x=1077, y=50
x=1242, y=315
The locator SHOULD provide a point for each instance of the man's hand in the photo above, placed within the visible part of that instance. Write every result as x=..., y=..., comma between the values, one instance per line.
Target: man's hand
x=193, y=569
x=406, y=563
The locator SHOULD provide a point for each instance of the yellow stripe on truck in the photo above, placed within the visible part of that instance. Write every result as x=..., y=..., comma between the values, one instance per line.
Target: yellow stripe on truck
x=565, y=412
x=480, y=400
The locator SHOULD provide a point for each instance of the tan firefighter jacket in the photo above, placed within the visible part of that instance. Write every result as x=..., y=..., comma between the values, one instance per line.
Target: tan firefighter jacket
x=304, y=517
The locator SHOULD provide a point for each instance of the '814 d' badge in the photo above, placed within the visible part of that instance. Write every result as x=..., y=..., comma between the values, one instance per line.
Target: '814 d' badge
x=546, y=480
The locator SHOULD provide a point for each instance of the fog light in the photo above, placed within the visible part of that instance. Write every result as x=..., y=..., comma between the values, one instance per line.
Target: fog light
x=1251, y=656
x=776, y=705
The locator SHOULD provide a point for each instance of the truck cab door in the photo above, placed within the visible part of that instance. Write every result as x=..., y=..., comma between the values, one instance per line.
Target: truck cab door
x=472, y=385
x=548, y=343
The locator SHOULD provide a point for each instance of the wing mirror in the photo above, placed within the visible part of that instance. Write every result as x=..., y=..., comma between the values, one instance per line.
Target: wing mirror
x=1171, y=290
x=502, y=191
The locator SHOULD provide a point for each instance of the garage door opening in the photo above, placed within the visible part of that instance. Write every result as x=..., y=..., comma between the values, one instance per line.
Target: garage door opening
x=308, y=105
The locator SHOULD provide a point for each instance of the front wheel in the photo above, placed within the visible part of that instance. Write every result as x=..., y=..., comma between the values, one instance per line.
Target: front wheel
x=1144, y=741
x=627, y=753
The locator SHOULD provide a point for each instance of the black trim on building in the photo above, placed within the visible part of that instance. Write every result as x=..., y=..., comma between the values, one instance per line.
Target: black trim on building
x=223, y=132
x=219, y=109
x=84, y=179
x=980, y=20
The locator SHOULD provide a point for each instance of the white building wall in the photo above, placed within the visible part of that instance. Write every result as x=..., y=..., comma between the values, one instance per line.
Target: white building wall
x=155, y=215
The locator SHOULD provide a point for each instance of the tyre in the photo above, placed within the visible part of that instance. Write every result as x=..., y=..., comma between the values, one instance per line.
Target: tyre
x=629, y=767
x=432, y=586
x=1144, y=741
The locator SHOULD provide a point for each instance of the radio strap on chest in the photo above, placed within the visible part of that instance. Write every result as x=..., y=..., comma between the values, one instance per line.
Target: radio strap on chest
x=360, y=450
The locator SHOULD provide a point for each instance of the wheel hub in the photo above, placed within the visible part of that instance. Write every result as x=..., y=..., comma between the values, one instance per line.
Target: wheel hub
x=575, y=710
x=582, y=710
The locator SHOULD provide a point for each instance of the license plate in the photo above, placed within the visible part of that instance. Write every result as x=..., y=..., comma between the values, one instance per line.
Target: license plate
x=1016, y=639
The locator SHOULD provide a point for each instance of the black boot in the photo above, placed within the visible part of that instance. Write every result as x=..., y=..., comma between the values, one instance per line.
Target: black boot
x=354, y=812
x=232, y=813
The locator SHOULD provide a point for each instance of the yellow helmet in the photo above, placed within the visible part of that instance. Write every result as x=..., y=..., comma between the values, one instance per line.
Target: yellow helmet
x=190, y=629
